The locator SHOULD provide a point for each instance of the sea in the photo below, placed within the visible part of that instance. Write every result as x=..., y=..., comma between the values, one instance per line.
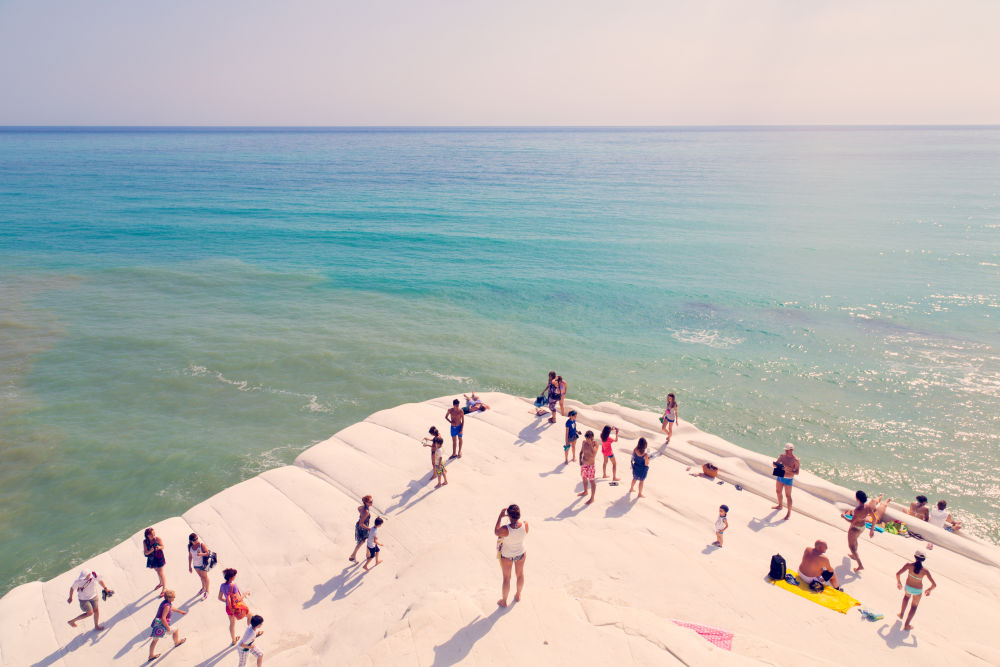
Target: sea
x=184, y=308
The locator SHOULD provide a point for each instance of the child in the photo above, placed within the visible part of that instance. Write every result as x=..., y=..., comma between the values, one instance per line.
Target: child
x=640, y=465
x=721, y=524
x=669, y=417
x=429, y=442
x=439, y=468
x=609, y=453
x=571, y=436
x=246, y=644
x=373, y=543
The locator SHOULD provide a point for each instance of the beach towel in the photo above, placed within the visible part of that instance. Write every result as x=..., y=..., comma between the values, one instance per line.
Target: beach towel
x=717, y=636
x=829, y=597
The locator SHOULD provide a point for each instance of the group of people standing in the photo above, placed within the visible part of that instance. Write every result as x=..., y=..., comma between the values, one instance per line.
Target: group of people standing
x=200, y=560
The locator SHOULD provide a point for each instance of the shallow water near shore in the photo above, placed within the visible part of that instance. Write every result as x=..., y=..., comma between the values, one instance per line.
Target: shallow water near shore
x=182, y=309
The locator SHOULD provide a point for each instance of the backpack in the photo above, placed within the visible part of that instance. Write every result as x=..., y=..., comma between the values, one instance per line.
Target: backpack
x=777, y=568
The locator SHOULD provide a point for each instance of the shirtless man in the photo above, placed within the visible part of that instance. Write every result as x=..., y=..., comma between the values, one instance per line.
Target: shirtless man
x=456, y=417
x=858, y=519
x=919, y=509
x=588, y=470
x=816, y=567
x=791, y=463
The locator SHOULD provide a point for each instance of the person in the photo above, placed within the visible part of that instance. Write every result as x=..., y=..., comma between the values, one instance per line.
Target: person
x=247, y=647
x=374, y=544
x=161, y=624
x=474, y=404
x=429, y=442
x=669, y=417
x=512, y=553
x=640, y=465
x=721, y=524
x=364, y=516
x=456, y=418
x=941, y=517
x=572, y=435
x=198, y=559
x=152, y=548
x=815, y=566
x=86, y=592
x=791, y=465
x=608, y=451
x=231, y=594
x=588, y=457
x=858, y=519
x=562, y=394
x=553, y=395
x=543, y=398
x=919, y=509
x=915, y=573
x=878, y=516
x=440, y=471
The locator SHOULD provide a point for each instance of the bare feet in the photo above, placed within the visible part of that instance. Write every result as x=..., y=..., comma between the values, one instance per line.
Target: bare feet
x=184, y=639
x=445, y=484
x=615, y=480
x=517, y=597
x=438, y=486
x=72, y=624
x=353, y=559
x=716, y=544
x=154, y=657
x=604, y=477
x=900, y=616
x=907, y=628
x=582, y=494
x=589, y=501
x=99, y=628
x=502, y=603
x=640, y=496
x=235, y=640
x=787, y=517
x=859, y=568
x=778, y=507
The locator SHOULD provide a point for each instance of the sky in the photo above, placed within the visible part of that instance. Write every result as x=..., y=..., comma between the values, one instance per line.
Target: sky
x=493, y=62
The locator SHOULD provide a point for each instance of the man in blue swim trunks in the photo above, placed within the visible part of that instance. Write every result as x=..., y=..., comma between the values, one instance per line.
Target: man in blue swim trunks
x=456, y=417
x=791, y=465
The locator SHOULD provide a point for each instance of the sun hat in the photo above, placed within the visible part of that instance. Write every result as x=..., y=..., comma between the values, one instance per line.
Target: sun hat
x=919, y=554
x=788, y=446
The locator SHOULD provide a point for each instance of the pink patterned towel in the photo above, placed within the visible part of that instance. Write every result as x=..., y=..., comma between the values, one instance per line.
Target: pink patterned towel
x=717, y=636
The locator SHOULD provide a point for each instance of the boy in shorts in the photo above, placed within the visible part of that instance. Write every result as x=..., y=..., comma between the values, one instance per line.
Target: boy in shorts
x=374, y=544
x=246, y=648
x=588, y=457
x=571, y=436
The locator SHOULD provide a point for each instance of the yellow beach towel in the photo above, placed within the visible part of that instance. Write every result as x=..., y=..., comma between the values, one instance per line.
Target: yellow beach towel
x=830, y=597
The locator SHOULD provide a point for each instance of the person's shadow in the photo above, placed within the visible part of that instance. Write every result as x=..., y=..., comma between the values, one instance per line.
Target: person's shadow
x=130, y=610
x=558, y=470
x=406, y=500
x=89, y=637
x=341, y=586
x=757, y=525
x=711, y=549
x=896, y=636
x=621, y=506
x=458, y=647
x=570, y=510
x=532, y=432
x=844, y=572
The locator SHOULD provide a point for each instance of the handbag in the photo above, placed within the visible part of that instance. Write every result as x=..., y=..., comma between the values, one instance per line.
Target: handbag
x=779, y=470
x=158, y=628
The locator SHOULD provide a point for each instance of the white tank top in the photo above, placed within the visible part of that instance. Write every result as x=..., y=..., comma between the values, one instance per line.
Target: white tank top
x=937, y=517
x=513, y=544
x=196, y=560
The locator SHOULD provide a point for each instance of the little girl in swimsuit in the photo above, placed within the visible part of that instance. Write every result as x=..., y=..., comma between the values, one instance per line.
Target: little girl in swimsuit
x=669, y=417
x=915, y=573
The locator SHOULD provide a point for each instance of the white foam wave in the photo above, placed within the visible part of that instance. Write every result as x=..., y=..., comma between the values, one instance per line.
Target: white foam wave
x=708, y=337
x=313, y=404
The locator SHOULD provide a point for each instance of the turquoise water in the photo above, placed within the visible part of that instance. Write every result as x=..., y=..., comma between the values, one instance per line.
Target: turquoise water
x=183, y=309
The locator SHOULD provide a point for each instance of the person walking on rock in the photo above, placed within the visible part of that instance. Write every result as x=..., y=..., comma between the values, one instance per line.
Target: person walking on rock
x=86, y=592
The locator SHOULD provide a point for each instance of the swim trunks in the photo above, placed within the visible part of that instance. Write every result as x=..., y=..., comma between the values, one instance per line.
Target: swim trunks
x=457, y=430
x=587, y=472
x=913, y=591
x=439, y=467
x=787, y=481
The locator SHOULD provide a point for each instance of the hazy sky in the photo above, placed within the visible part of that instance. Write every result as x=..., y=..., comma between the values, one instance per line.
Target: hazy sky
x=498, y=62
